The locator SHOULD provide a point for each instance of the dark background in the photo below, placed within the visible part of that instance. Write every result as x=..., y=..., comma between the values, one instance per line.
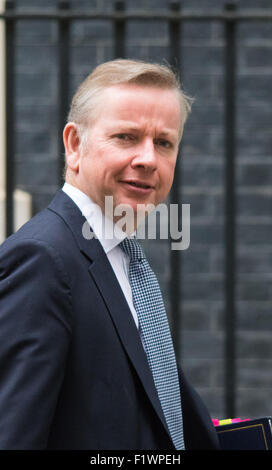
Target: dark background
x=202, y=326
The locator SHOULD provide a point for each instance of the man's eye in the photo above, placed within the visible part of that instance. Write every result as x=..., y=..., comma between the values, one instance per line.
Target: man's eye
x=124, y=137
x=163, y=143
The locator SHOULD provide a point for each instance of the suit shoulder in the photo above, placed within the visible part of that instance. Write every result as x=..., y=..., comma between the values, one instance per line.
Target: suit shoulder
x=45, y=237
x=45, y=227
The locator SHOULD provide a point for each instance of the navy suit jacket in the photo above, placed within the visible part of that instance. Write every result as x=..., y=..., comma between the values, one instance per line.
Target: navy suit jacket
x=73, y=372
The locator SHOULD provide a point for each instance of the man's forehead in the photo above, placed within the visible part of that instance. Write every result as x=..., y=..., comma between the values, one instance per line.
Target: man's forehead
x=131, y=104
x=130, y=99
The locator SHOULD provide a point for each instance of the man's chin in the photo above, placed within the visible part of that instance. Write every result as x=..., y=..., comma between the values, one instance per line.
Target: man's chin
x=129, y=211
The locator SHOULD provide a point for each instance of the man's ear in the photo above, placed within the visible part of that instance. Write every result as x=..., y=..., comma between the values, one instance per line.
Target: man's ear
x=71, y=140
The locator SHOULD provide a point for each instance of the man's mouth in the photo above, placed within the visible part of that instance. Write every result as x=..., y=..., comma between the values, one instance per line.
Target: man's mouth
x=139, y=184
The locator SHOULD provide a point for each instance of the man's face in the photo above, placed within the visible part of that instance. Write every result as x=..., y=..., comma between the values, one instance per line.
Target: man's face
x=131, y=149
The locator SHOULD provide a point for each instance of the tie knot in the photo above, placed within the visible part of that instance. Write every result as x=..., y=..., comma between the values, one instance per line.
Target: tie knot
x=132, y=248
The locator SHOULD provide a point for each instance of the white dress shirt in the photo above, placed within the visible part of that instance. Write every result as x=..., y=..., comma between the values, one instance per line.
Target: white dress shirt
x=117, y=258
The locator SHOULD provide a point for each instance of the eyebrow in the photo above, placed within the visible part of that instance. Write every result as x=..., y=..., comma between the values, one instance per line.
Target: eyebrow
x=132, y=127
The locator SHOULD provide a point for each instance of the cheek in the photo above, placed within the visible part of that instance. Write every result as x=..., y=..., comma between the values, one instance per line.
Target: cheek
x=167, y=173
x=91, y=162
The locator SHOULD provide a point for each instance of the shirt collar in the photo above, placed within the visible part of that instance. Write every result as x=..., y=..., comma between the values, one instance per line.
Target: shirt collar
x=108, y=234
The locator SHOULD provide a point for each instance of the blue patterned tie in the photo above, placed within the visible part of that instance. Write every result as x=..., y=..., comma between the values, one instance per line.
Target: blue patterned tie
x=149, y=305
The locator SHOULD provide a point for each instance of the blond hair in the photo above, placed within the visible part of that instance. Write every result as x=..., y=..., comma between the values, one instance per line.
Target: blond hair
x=118, y=72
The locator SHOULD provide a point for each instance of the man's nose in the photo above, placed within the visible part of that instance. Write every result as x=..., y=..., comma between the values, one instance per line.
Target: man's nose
x=146, y=155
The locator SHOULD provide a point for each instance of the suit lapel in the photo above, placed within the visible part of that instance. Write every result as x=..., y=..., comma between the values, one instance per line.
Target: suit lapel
x=109, y=288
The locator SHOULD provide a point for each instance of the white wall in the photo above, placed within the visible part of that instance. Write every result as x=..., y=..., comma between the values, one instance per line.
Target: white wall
x=22, y=200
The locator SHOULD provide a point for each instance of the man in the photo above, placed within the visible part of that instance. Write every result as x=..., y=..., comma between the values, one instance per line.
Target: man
x=76, y=361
